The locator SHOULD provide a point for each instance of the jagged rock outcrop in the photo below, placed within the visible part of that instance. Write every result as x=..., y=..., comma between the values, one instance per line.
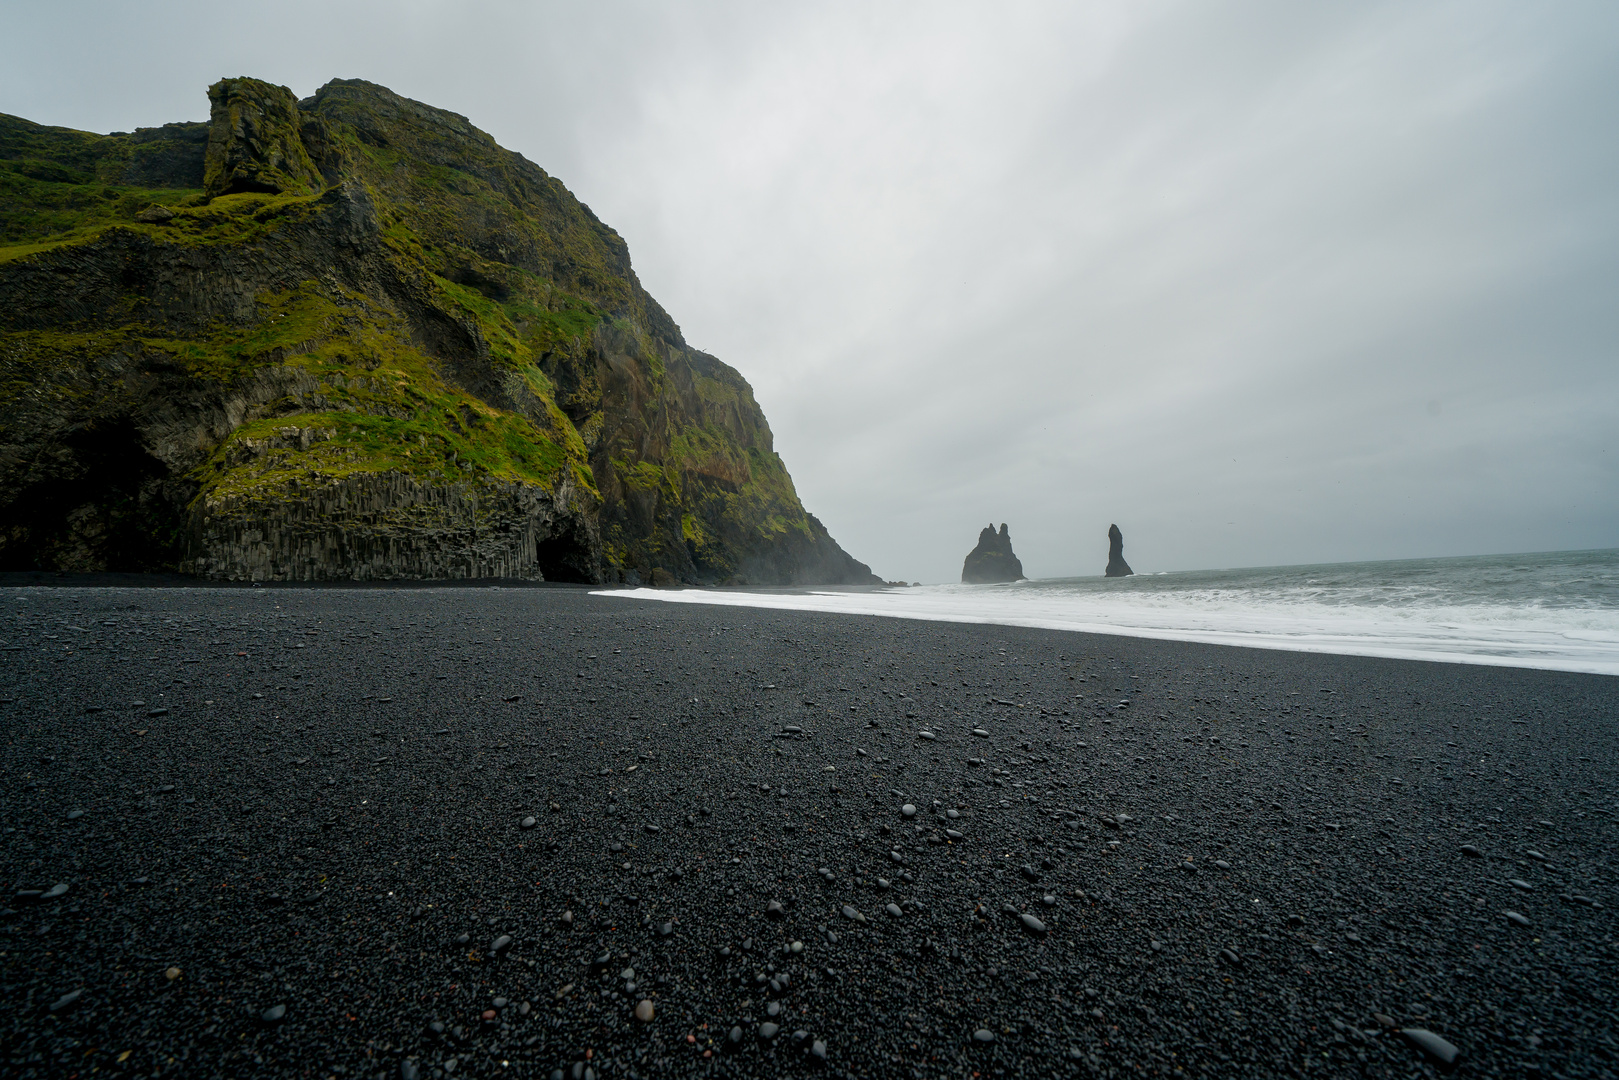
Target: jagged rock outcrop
x=992, y=560
x=256, y=141
x=1116, y=566
x=352, y=337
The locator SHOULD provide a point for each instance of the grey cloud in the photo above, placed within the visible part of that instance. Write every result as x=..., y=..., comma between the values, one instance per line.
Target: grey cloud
x=1198, y=269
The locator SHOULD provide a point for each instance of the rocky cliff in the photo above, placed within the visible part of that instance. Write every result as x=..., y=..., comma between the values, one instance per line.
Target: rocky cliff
x=1116, y=566
x=992, y=560
x=351, y=337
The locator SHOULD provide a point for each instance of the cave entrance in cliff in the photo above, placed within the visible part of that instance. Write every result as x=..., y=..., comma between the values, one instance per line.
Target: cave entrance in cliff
x=103, y=506
x=568, y=556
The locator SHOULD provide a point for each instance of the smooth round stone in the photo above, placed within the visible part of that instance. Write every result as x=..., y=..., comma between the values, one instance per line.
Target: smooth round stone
x=643, y=1011
x=500, y=944
x=774, y=1008
x=1515, y=918
x=1222, y=864
x=797, y=946
x=980, y=732
x=1519, y=883
x=74, y=815
x=171, y=974
x=1472, y=852
x=768, y=1031
x=55, y=892
x=952, y=814
x=908, y=810
x=818, y=1048
x=273, y=1015
x=1032, y=924
x=1049, y=900
x=955, y=834
x=894, y=910
x=984, y=1035
x=925, y=735
x=530, y=822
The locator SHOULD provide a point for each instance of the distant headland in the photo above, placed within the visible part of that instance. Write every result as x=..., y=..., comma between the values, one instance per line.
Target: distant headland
x=351, y=337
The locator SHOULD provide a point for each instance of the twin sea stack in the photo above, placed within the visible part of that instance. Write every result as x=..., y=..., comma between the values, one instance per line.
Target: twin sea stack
x=992, y=561
x=351, y=337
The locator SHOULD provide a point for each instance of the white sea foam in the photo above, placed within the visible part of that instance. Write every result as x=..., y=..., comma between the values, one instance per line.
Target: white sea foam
x=1558, y=611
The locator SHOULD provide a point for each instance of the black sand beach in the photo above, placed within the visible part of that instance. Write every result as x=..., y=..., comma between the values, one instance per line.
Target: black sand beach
x=467, y=831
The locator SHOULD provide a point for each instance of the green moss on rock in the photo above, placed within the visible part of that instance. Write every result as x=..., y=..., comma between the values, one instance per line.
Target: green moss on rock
x=358, y=324
x=255, y=141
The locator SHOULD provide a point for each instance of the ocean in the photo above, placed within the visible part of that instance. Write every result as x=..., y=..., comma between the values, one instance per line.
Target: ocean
x=1557, y=610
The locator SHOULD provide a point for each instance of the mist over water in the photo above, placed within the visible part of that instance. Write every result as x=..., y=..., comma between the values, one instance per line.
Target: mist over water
x=1555, y=610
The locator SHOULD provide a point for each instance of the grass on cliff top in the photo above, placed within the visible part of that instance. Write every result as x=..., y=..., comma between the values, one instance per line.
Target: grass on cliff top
x=38, y=214
x=228, y=219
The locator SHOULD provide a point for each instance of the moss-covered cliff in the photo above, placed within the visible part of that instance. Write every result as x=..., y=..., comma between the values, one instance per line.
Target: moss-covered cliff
x=351, y=337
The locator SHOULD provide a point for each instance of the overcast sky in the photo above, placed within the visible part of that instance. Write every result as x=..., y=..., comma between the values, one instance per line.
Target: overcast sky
x=1261, y=282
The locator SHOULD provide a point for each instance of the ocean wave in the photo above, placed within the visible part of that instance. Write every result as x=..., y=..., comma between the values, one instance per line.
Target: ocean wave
x=1563, y=614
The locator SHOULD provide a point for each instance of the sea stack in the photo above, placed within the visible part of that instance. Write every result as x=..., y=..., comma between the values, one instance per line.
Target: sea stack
x=1116, y=566
x=992, y=560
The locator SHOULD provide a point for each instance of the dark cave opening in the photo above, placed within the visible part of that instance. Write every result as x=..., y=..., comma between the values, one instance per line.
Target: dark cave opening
x=97, y=501
x=568, y=555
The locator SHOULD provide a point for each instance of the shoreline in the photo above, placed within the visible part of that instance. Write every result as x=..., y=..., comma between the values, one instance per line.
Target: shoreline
x=1605, y=664
x=773, y=598
x=326, y=846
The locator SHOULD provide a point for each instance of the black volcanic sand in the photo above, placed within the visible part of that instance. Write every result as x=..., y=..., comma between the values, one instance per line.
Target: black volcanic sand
x=311, y=803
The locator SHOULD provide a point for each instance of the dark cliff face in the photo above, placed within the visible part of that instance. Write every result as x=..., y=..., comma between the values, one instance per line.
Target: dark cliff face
x=992, y=560
x=352, y=337
x=1116, y=566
